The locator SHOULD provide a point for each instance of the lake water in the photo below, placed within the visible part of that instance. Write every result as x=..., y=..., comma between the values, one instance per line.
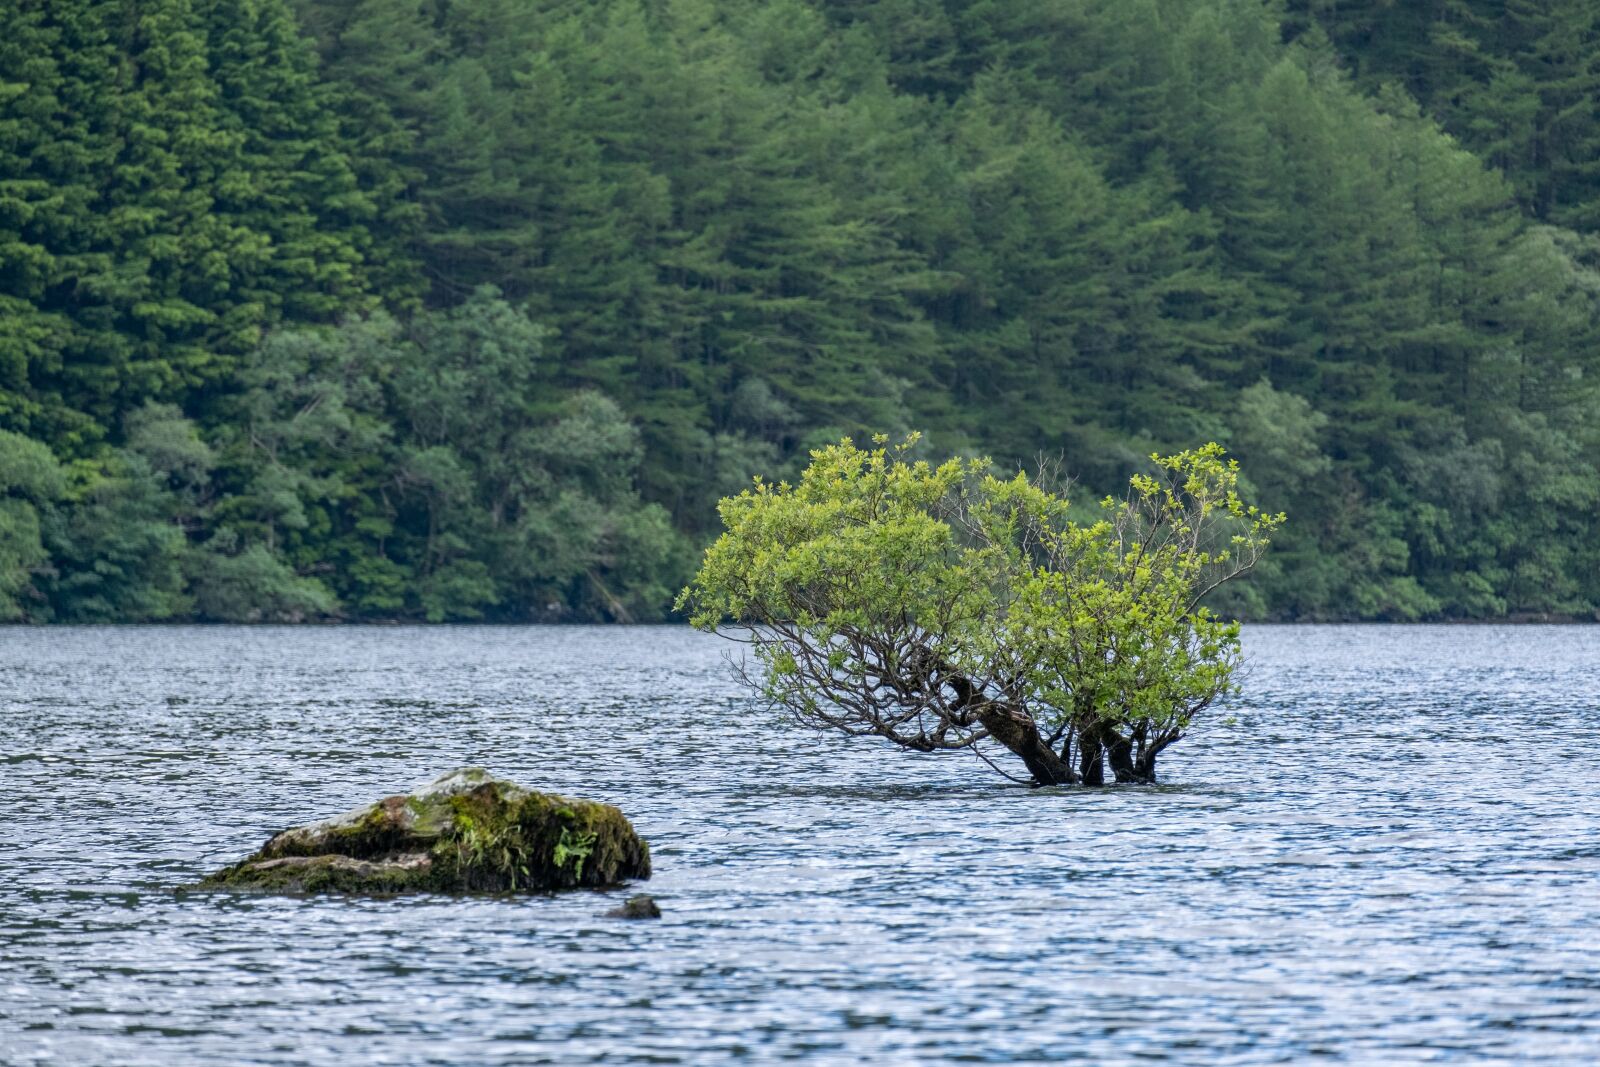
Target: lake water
x=1391, y=855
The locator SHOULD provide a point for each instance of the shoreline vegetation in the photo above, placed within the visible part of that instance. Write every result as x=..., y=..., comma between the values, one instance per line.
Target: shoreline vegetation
x=459, y=310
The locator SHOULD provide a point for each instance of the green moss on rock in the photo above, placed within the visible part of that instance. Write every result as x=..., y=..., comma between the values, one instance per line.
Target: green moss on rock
x=467, y=831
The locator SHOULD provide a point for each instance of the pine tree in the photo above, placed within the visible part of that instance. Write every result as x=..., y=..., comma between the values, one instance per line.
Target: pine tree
x=174, y=195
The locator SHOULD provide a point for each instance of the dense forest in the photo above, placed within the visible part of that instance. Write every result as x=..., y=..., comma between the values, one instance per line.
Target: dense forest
x=472, y=309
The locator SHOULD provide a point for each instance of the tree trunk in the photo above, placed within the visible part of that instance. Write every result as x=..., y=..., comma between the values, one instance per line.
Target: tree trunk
x=1091, y=758
x=1119, y=752
x=1018, y=732
x=1146, y=765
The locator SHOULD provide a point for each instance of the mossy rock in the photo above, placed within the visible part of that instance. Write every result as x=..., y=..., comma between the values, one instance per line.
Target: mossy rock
x=467, y=831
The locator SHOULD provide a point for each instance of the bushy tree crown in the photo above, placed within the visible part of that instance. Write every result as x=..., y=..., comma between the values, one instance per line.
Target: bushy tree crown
x=942, y=606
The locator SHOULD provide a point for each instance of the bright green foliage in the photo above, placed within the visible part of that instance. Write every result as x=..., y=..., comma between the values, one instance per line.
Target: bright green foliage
x=942, y=607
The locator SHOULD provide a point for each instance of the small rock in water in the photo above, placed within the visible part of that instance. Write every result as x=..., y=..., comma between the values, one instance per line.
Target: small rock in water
x=639, y=906
x=466, y=831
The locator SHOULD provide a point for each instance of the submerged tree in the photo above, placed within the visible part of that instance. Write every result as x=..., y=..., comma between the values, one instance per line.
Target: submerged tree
x=941, y=607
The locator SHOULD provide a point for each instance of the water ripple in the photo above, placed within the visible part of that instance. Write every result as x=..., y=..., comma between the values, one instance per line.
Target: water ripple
x=1389, y=854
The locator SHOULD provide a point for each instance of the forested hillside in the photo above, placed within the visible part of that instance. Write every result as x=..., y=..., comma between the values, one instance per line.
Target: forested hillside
x=460, y=309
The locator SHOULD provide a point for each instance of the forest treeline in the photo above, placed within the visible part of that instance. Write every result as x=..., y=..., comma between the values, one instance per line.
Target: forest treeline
x=461, y=309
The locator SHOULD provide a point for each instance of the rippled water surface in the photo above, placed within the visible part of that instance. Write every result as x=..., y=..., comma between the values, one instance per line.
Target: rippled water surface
x=1390, y=855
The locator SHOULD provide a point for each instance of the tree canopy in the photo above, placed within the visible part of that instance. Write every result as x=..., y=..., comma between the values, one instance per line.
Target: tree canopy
x=246, y=249
x=943, y=607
